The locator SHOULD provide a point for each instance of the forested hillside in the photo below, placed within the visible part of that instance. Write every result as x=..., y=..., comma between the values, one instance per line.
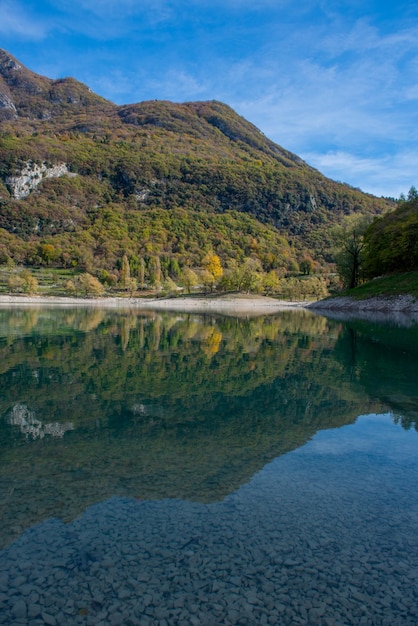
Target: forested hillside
x=84, y=182
x=392, y=241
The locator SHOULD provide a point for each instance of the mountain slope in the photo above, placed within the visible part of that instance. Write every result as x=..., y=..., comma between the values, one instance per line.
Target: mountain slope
x=94, y=180
x=391, y=242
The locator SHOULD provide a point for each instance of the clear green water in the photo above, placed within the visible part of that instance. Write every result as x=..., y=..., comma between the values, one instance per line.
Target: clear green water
x=181, y=469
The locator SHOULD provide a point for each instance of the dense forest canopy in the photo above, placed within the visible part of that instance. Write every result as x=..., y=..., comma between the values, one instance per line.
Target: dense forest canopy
x=392, y=241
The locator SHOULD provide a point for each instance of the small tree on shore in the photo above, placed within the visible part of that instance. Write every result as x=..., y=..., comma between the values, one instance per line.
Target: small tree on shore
x=30, y=284
x=207, y=280
x=271, y=283
x=349, y=240
x=155, y=271
x=89, y=285
x=24, y=282
x=15, y=283
x=212, y=265
x=125, y=271
x=189, y=279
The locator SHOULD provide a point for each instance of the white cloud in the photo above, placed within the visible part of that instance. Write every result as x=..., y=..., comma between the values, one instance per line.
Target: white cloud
x=411, y=93
x=180, y=86
x=16, y=21
x=134, y=86
x=346, y=94
x=364, y=37
x=111, y=14
x=386, y=175
x=372, y=434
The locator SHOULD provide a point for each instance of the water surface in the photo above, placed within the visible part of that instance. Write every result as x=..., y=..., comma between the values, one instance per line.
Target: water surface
x=182, y=469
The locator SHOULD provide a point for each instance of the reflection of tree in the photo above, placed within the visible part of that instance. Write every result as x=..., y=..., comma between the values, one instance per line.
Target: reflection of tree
x=127, y=323
x=212, y=343
x=131, y=358
x=352, y=354
x=177, y=358
x=179, y=405
x=407, y=421
x=23, y=321
x=91, y=321
x=382, y=359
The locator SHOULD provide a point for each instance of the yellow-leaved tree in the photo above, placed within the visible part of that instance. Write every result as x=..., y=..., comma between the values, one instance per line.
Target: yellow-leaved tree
x=212, y=264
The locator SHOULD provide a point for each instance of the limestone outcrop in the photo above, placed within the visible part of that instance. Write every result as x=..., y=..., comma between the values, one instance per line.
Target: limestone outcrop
x=32, y=175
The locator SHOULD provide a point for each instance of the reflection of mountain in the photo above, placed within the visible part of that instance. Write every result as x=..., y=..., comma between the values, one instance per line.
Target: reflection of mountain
x=164, y=406
x=32, y=427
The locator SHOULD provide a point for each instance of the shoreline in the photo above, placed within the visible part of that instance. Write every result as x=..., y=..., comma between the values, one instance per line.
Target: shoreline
x=240, y=304
x=383, y=304
x=400, y=310
x=381, y=308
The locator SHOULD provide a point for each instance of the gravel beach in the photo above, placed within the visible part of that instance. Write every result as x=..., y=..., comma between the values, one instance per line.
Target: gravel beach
x=343, y=307
x=235, y=304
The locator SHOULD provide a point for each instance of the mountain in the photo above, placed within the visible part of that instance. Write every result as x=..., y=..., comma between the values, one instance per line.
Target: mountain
x=82, y=181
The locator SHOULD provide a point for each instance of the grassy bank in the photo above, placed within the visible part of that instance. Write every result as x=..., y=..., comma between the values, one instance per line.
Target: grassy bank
x=386, y=286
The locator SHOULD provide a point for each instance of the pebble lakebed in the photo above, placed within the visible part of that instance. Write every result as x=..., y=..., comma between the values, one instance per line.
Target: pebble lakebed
x=313, y=555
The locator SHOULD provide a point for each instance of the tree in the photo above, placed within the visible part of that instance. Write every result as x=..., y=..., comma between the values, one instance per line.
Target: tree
x=207, y=279
x=169, y=286
x=306, y=266
x=349, y=238
x=47, y=252
x=30, y=284
x=15, y=283
x=189, y=279
x=271, y=282
x=412, y=194
x=125, y=272
x=212, y=265
x=154, y=270
x=70, y=286
x=248, y=276
x=141, y=273
x=131, y=285
x=24, y=282
x=90, y=285
x=391, y=242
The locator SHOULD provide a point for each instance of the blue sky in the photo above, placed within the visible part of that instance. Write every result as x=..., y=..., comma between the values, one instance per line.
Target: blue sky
x=335, y=82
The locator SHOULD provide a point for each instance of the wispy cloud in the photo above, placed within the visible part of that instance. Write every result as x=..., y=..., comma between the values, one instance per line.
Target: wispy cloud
x=386, y=175
x=172, y=85
x=179, y=85
x=16, y=20
x=113, y=18
x=339, y=102
x=373, y=434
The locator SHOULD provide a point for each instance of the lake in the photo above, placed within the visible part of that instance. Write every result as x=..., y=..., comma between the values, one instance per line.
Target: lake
x=177, y=469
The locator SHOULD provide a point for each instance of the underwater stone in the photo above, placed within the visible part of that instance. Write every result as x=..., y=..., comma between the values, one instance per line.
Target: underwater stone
x=19, y=609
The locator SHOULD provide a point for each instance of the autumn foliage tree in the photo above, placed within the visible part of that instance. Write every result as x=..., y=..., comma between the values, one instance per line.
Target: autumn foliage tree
x=213, y=270
x=22, y=282
x=89, y=285
x=127, y=281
